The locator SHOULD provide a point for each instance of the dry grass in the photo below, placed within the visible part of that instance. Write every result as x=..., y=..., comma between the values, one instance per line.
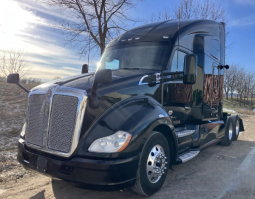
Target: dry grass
x=13, y=106
x=245, y=111
x=234, y=105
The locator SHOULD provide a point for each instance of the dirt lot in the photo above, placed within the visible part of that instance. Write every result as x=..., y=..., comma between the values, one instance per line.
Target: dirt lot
x=217, y=172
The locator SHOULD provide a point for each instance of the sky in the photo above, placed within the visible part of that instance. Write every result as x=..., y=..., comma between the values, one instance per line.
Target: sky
x=27, y=25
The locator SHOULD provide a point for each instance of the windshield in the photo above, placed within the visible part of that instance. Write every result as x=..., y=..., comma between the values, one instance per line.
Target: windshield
x=135, y=56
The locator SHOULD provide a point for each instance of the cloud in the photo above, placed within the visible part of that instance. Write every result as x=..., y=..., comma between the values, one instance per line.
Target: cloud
x=47, y=73
x=21, y=28
x=49, y=13
x=245, y=2
x=14, y=19
x=70, y=68
x=241, y=22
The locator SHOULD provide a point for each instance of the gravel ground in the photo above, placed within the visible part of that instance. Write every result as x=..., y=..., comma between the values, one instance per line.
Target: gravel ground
x=217, y=172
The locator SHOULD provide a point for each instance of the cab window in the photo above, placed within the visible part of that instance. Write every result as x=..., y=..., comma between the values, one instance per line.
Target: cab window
x=112, y=64
x=177, y=63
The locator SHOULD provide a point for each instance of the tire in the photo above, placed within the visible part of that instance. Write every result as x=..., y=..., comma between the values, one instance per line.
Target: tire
x=227, y=139
x=147, y=181
x=236, y=127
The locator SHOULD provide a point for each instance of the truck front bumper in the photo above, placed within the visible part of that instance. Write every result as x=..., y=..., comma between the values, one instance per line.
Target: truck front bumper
x=92, y=174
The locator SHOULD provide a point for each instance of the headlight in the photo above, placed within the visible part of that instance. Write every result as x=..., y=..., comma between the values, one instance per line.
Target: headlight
x=23, y=131
x=113, y=143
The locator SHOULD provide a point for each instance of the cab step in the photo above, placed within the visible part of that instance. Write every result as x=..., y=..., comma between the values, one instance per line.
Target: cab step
x=185, y=133
x=190, y=155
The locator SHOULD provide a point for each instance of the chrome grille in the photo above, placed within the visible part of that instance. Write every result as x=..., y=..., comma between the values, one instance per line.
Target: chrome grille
x=36, y=120
x=54, y=120
x=62, y=122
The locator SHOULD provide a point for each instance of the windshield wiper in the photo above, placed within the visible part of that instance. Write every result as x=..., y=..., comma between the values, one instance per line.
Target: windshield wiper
x=130, y=68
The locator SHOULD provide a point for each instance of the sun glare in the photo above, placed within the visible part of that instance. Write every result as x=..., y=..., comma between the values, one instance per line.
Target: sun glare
x=13, y=20
x=12, y=17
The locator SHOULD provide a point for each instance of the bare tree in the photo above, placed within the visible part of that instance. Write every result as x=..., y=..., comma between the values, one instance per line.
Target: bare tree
x=252, y=90
x=241, y=83
x=194, y=9
x=92, y=23
x=2, y=79
x=30, y=80
x=227, y=82
x=232, y=78
x=14, y=61
x=191, y=9
x=250, y=85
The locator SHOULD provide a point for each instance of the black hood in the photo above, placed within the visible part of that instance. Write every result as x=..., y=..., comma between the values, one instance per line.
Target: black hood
x=120, y=78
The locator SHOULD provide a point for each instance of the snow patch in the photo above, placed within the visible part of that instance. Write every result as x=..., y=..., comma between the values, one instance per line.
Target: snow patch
x=229, y=110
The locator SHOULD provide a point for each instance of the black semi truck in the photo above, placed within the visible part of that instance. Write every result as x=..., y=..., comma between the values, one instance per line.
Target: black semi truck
x=156, y=100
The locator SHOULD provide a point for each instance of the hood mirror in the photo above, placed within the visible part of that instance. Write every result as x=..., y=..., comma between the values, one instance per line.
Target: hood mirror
x=85, y=68
x=102, y=76
x=14, y=79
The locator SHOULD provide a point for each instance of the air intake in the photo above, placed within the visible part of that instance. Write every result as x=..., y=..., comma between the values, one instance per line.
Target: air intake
x=36, y=120
x=62, y=123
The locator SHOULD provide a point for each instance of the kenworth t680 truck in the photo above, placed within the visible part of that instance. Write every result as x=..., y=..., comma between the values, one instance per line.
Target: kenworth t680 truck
x=154, y=101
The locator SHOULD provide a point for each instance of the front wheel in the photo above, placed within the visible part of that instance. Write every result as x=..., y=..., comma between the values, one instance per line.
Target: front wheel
x=153, y=165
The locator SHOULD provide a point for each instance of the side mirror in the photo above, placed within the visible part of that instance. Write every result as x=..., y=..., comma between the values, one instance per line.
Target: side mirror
x=13, y=78
x=103, y=76
x=190, y=69
x=85, y=68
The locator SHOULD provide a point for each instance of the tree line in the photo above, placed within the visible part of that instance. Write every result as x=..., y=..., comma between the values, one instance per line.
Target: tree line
x=240, y=82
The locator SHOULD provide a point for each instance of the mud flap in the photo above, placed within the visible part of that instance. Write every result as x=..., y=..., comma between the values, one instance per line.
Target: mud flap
x=241, y=125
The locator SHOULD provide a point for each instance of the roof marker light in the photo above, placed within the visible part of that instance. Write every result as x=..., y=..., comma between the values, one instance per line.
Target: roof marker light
x=129, y=39
x=165, y=37
x=123, y=40
x=137, y=38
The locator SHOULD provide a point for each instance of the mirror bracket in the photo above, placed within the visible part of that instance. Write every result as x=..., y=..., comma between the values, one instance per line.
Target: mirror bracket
x=22, y=87
x=93, y=99
x=102, y=76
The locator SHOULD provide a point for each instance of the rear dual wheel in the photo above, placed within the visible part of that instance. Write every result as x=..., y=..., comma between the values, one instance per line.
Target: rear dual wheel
x=231, y=130
x=227, y=139
x=153, y=165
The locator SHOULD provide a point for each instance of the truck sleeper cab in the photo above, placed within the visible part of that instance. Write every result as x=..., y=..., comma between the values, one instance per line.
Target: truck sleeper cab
x=156, y=100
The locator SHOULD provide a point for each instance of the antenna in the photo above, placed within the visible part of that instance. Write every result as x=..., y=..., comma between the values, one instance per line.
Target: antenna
x=178, y=37
x=89, y=46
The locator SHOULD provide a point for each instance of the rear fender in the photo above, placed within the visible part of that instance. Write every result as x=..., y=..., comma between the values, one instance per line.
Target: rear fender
x=136, y=115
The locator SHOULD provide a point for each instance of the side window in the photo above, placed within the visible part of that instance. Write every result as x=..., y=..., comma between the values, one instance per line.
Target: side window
x=177, y=59
x=216, y=44
x=112, y=64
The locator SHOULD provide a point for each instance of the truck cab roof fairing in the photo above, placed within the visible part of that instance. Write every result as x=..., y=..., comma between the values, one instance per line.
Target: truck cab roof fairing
x=156, y=31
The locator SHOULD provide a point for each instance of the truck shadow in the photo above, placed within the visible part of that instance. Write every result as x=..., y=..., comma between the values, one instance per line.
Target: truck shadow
x=217, y=172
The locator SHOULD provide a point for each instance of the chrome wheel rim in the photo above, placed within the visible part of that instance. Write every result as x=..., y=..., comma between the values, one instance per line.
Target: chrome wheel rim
x=230, y=131
x=237, y=127
x=156, y=164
